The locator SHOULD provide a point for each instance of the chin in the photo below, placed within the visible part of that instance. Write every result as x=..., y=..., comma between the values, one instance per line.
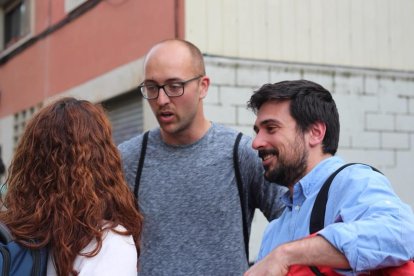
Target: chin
x=267, y=174
x=169, y=128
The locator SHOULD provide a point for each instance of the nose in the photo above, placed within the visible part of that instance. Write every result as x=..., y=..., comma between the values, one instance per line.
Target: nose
x=258, y=141
x=163, y=98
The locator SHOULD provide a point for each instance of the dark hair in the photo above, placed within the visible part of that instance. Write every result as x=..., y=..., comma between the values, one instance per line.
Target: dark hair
x=66, y=183
x=309, y=103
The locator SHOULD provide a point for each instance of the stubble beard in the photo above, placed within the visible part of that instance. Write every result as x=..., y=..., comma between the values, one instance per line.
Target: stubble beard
x=289, y=170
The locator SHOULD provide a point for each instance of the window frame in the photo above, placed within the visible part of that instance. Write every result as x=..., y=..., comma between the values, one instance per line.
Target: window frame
x=5, y=6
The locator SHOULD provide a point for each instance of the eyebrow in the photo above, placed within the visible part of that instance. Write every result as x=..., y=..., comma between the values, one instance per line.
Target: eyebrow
x=269, y=121
x=264, y=123
x=166, y=81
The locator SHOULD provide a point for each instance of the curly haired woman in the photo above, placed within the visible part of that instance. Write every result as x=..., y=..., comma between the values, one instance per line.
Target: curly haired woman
x=66, y=190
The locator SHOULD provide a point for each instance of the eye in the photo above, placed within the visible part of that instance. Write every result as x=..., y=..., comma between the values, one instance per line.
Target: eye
x=271, y=129
x=175, y=87
x=151, y=88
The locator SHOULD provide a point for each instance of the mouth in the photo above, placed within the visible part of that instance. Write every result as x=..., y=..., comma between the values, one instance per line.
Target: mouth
x=266, y=155
x=165, y=116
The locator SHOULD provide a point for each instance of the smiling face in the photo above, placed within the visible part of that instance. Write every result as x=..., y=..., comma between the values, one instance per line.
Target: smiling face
x=168, y=62
x=281, y=145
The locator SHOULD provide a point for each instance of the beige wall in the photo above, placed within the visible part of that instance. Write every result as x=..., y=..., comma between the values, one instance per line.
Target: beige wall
x=368, y=33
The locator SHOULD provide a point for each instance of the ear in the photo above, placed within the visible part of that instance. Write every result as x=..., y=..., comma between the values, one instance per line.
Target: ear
x=204, y=84
x=317, y=133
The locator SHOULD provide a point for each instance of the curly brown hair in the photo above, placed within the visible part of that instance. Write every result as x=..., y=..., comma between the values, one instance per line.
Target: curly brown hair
x=66, y=184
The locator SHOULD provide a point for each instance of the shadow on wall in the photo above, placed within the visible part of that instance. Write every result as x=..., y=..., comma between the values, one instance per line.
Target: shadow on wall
x=2, y=166
x=2, y=172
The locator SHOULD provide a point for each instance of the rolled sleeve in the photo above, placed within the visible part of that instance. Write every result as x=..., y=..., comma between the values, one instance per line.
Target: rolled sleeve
x=381, y=238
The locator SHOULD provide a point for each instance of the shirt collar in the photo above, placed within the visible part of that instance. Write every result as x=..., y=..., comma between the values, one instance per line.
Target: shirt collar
x=311, y=182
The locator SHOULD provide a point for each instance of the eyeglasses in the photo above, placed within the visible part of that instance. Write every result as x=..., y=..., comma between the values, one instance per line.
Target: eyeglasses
x=151, y=91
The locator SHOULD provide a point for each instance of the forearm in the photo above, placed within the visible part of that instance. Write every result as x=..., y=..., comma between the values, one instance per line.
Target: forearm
x=372, y=243
x=312, y=251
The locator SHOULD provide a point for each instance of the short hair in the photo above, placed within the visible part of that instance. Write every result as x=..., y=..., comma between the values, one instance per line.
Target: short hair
x=309, y=103
x=197, y=56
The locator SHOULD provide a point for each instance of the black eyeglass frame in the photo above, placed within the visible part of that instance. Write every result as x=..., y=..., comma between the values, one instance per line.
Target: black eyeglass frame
x=142, y=86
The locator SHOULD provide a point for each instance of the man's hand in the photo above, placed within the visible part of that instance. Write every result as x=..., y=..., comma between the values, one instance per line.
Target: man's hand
x=308, y=251
x=272, y=265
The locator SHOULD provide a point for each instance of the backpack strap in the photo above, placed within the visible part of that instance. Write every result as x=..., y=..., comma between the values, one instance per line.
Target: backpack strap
x=241, y=194
x=141, y=163
x=39, y=257
x=5, y=234
x=319, y=207
x=13, y=253
x=238, y=179
x=317, y=219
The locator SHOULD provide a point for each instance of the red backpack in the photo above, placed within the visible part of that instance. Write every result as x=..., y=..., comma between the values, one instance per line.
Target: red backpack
x=317, y=223
x=405, y=270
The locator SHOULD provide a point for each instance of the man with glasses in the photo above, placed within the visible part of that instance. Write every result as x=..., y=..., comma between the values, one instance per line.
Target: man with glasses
x=188, y=188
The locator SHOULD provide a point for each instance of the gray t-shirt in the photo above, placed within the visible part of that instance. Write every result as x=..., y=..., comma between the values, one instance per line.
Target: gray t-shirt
x=190, y=202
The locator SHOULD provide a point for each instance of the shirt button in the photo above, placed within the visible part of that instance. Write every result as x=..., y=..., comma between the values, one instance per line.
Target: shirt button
x=297, y=207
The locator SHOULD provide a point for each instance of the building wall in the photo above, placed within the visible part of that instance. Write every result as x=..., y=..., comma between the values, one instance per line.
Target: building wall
x=376, y=109
x=109, y=35
x=369, y=33
x=95, y=56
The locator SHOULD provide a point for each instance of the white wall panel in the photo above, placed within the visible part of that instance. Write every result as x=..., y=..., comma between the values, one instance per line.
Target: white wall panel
x=215, y=26
x=369, y=33
x=229, y=34
x=356, y=36
x=195, y=23
x=273, y=40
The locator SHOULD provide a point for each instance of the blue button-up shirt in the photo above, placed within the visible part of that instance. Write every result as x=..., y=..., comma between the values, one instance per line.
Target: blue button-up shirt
x=365, y=219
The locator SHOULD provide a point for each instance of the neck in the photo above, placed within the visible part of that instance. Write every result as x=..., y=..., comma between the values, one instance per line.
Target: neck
x=187, y=136
x=313, y=161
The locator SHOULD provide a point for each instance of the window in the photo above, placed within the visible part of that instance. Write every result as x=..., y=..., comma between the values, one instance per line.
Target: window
x=21, y=119
x=15, y=21
x=70, y=5
x=126, y=115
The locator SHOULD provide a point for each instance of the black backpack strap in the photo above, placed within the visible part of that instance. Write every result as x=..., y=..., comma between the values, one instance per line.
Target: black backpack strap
x=39, y=256
x=316, y=271
x=319, y=207
x=317, y=219
x=141, y=163
x=5, y=234
x=241, y=194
